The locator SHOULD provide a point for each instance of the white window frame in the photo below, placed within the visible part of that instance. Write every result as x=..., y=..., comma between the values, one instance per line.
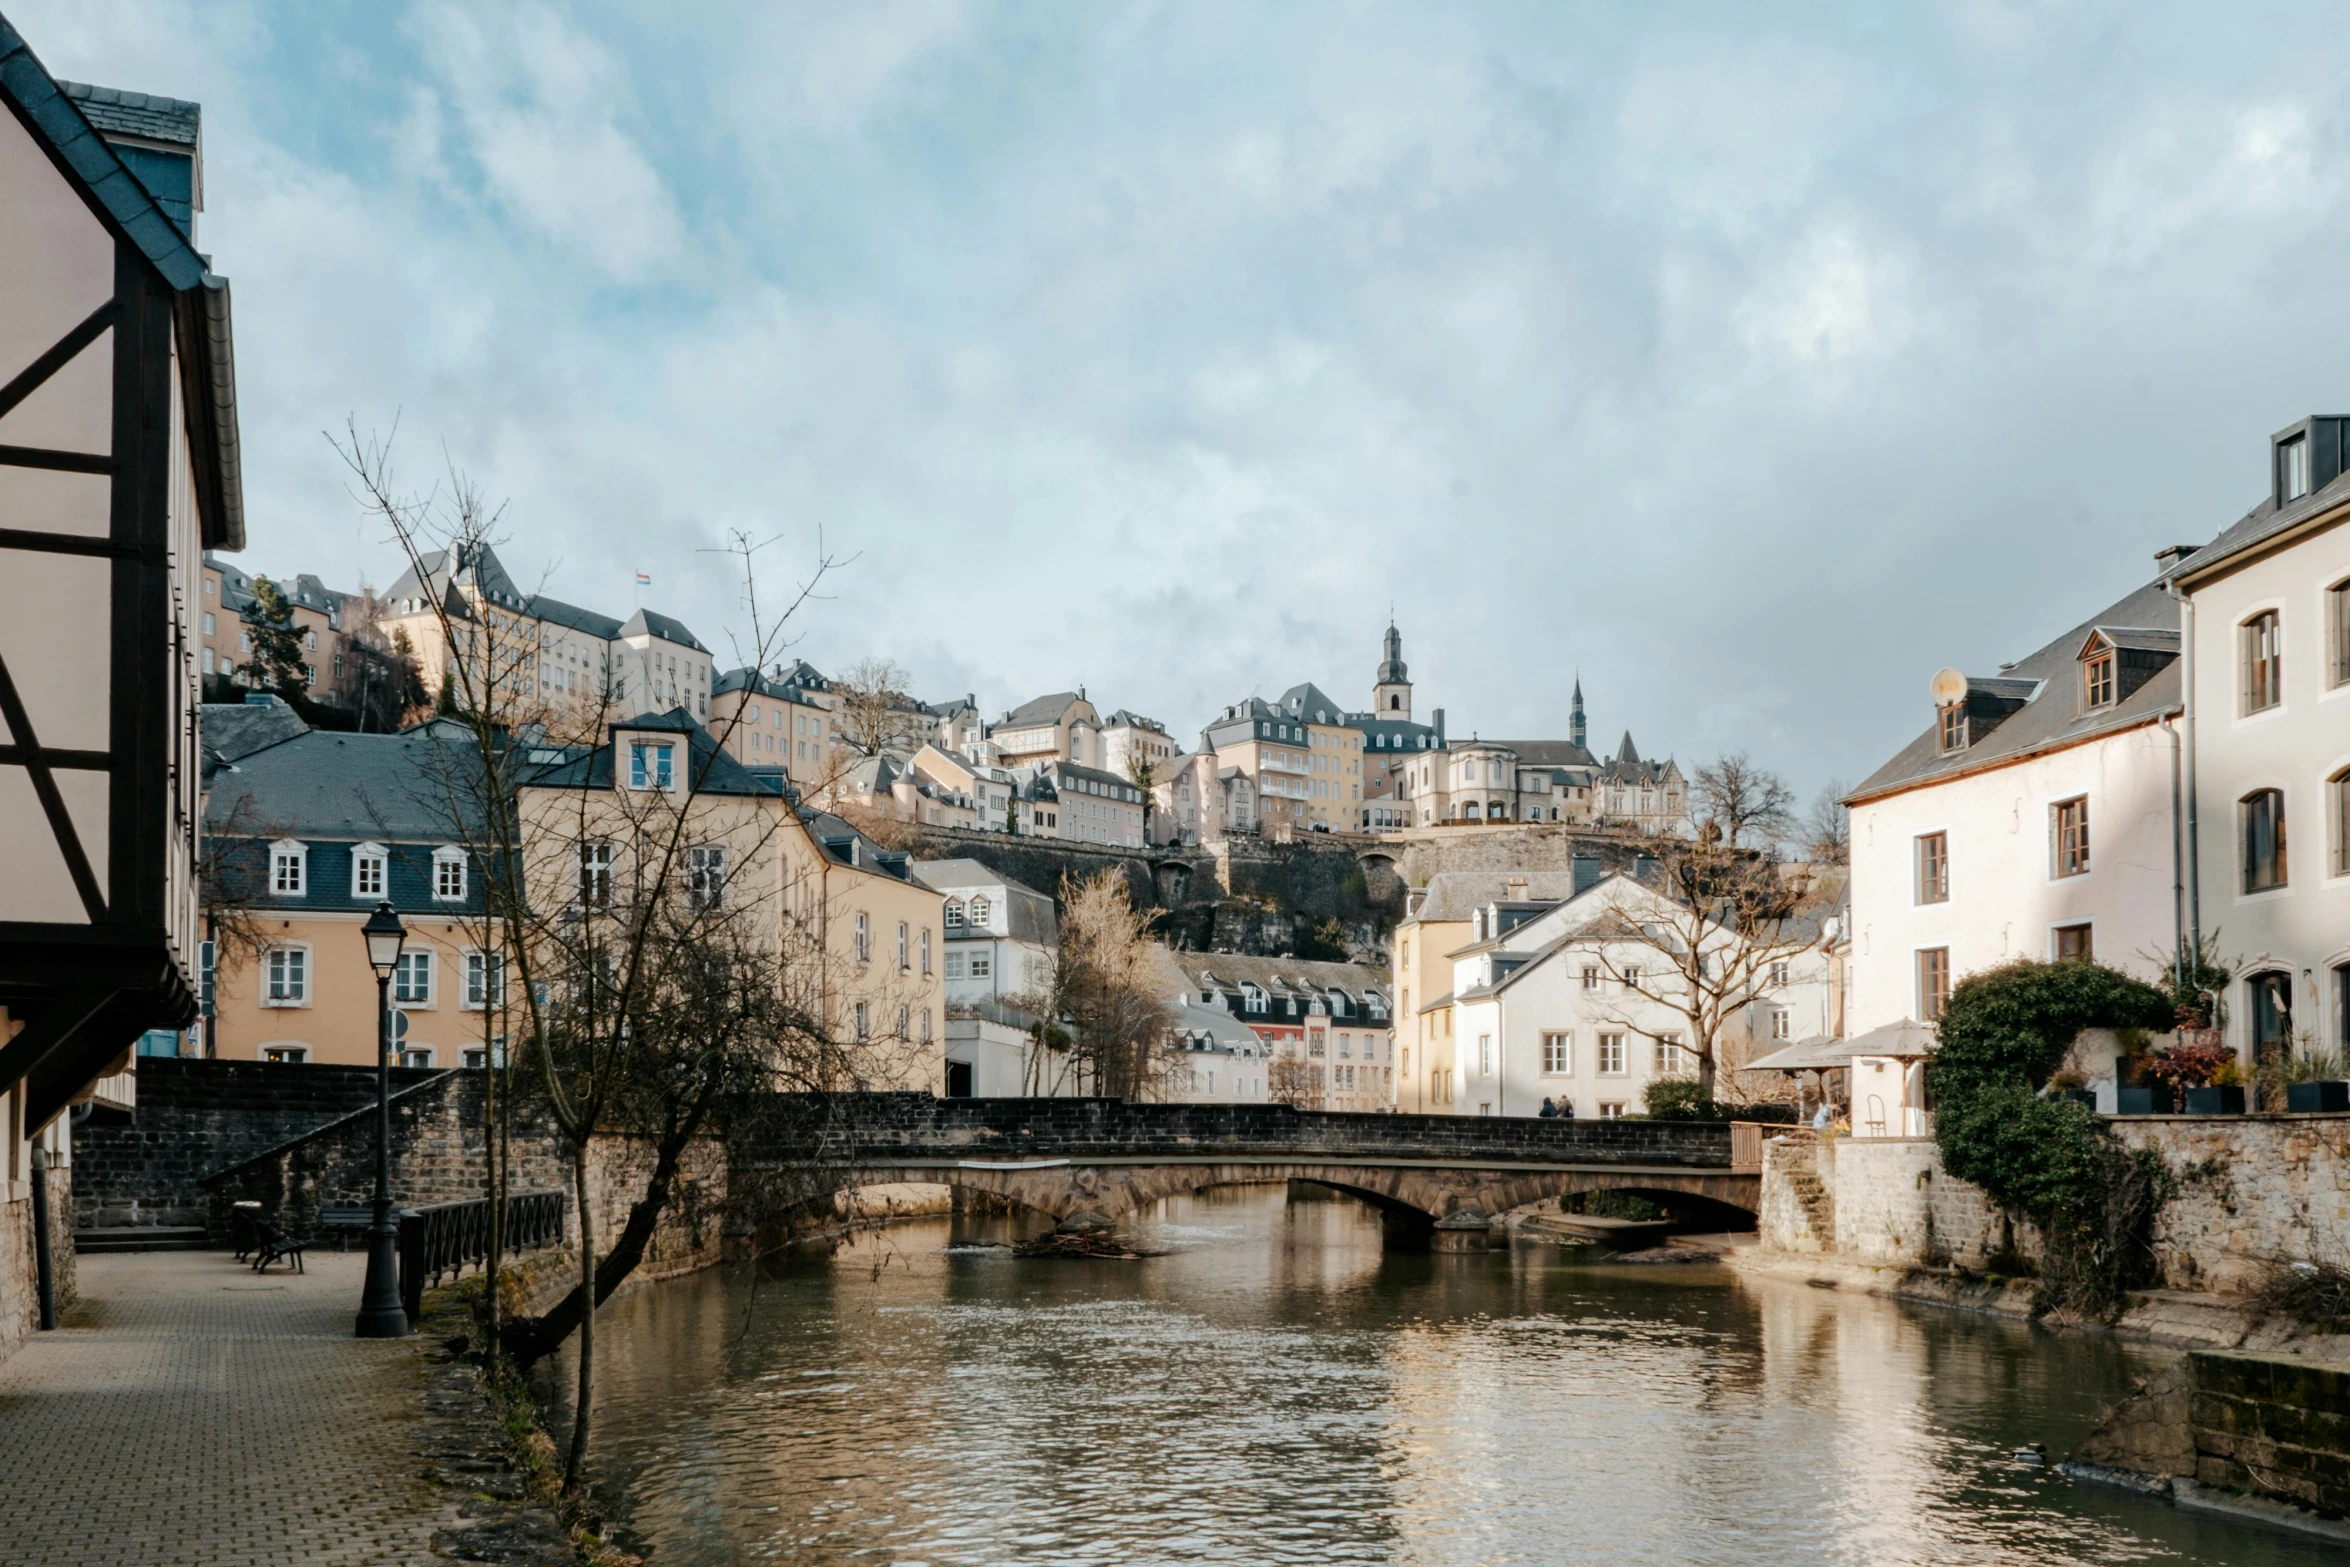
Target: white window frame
x=981, y=966
x=446, y=859
x=954, y=965
x=661, y=774
x=926, y=951
x=299, y=995
x=1558, y=1054
x=905, y=948
x=479, y=965
x=367, y=857
x=412, y=959
x=1611, y=1048
x=286, y=1055
x=284, y=855
x=595, y=875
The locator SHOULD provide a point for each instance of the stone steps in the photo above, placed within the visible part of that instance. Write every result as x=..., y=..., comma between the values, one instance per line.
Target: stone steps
x=145, y=1237
x=1819, y=1206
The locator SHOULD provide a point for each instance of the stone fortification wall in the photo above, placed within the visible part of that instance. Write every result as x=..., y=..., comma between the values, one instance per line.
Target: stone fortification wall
x=196, y=1117
x=2254, y=1190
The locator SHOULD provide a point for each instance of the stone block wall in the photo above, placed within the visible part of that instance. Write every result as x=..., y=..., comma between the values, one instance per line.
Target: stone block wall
x=1785, y=1221
x=196, y=1117
x=438, y=1156
x=2274, y=1427
x=2255, y=1190
x=19, y=1302
x=1896, y=1207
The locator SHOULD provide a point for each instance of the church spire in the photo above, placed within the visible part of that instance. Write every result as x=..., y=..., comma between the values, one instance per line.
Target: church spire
x=1391, y=688
x=1576, y=730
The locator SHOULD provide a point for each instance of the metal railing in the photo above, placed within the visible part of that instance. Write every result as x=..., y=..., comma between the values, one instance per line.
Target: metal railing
x=449, y=1237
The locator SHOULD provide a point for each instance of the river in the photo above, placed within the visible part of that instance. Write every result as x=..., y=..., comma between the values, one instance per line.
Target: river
x=1277, y=1388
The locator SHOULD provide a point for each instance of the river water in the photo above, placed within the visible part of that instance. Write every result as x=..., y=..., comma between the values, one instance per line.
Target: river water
x=1277, y=1388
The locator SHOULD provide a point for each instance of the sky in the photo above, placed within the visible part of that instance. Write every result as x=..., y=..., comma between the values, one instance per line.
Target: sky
x=1752, y=362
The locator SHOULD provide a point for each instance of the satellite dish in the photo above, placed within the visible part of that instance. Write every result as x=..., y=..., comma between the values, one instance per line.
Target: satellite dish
x=1949, y=686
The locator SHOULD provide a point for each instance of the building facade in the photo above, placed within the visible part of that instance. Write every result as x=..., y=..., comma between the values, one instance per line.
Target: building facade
x=1328, y=1029
x=119, y=468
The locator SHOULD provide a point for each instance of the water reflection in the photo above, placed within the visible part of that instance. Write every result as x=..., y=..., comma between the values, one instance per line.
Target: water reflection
x=1280, y=1389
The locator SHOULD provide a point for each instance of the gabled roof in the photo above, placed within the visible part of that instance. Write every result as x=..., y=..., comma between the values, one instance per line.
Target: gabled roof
x=74, y=143
x=2136, y=639
x=1550, y=753
x=646, y=622
x=322, y=783
x=231, y=731
x=1308, y=703
x=708, y=768
x=1041, y=710
x=2261, y=524
x=2050, y=716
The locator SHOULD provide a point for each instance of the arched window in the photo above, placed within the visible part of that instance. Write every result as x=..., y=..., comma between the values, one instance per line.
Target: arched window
x=2269, y=999
x=2262, y=815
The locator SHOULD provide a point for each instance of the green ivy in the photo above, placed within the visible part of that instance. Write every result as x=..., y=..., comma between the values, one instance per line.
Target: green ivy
x=2004, y=1032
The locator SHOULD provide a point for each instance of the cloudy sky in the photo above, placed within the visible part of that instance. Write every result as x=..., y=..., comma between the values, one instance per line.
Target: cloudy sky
x=1754, y=366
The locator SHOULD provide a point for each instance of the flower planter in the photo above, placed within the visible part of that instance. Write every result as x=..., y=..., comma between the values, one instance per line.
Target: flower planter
x=2143, y=1101
x=2080, y=1096
x=2310, y=1098
x=2218, y=1100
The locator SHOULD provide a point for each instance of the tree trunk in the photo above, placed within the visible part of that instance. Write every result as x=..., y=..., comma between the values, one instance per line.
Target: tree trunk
x=530, y=1339
x=587, y=1323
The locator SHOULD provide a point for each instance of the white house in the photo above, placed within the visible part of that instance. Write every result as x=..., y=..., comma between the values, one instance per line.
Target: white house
x=2035, y=816
x=1001, y=936
x=2267, y=622
x=1554, y=1002
x=1219, y=1059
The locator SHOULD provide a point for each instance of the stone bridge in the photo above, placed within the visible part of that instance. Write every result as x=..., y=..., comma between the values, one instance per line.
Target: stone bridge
x=1087, y=1162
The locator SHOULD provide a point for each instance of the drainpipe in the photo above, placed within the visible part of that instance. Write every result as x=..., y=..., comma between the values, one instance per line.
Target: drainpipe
x=2178, y=872
x=2187, y=725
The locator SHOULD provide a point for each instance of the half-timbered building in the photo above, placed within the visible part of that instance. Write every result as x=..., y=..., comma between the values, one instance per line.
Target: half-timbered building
x=118, y=469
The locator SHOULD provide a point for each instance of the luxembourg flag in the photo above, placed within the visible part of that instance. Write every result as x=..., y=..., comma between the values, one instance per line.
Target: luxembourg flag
x=644, y=579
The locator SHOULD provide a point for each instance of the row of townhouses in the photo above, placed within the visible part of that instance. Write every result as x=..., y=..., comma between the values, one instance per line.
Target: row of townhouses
x=2125, y=791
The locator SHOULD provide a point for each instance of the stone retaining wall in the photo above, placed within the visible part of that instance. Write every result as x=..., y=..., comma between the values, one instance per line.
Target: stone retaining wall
x=2254, y=1191
x=196, y=1117
x=2273, y=1427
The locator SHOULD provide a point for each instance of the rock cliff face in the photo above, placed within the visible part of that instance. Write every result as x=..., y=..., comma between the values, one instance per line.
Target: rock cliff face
x=1277, y=899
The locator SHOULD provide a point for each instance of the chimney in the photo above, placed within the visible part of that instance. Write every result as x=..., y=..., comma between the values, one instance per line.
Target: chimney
x=2166, y=559
x=1516, y=886
x=1438, y=715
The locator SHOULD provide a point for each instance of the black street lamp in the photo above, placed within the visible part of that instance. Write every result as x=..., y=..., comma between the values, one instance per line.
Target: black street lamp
x=381, y=1315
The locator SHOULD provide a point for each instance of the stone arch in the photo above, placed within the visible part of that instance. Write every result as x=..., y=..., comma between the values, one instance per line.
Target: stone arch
x=1171, y=882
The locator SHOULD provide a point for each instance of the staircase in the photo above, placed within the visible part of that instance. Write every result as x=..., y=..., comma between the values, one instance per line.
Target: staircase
x=141, y=1237
x=1819, y=1207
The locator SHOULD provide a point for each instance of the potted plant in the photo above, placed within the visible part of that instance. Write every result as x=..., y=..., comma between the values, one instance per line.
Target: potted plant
x=2069, y=1084
x=2182, y=1070
x=2315, y=1081
x=2223, y=1095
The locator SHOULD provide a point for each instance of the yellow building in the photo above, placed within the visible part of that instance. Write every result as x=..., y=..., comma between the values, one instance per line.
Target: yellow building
x=1302, y=755
x=780, y=720
x=1437, y=925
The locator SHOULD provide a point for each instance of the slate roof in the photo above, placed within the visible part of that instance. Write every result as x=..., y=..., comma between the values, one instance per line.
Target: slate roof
x=780, y=688
x=709, y=767
x=491, y=579
x=848, y=846
x=136, y=113
x=1550, y=753
x=1309, y=703
x=1288, y=983
x=1030, y=914
x=1455, y=895
x=1211, y=1030
x=647, y=622
x=2048, y=682
x=346, y=786
x=2262, y=523
x=1040, y=710
x=1108, y=786
x=234, y=730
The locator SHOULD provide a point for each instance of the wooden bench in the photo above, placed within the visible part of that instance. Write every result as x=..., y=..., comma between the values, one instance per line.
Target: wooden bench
x=343, y=1222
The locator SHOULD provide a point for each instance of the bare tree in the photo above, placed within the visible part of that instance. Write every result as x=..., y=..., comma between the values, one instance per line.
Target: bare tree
x=1106, y=1028
x=1289, y=1080
x=652, y=952
x=1704, y=939
x=1749, y=806
x=874, y=714
x=1827, y=827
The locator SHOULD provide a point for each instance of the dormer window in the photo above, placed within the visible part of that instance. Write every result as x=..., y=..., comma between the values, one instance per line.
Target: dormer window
x=448, y=874
x=2292, y=469
x=1953, y=726
x=2097, y=682
x=367, y=870
x=651, y=764
x=289, y=868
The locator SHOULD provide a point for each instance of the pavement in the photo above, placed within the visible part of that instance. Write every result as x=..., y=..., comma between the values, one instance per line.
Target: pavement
x=190, y=1411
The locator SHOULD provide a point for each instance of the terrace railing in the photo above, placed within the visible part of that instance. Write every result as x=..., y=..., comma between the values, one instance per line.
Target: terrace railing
x=449, y=1237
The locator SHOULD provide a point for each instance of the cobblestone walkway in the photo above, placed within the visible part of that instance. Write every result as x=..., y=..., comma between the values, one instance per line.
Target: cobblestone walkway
x=193, y=1412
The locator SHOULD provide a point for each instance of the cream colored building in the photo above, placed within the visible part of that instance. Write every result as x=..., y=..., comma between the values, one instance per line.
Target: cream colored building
x=1302, y=757
x=1327, y=1029
x=1061, y=727
x=1438, y=922
x=538, y=654
x=780, y=720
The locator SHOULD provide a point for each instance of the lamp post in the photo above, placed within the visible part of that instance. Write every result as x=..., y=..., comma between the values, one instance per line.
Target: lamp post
x=381, y=1315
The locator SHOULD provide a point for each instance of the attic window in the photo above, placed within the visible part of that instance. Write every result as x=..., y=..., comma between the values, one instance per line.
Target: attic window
x=1953, y=728
x=2097, y=684
x=2292, y=469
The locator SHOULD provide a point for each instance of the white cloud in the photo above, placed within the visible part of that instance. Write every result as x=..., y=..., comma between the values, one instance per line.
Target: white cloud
x=541, y=107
